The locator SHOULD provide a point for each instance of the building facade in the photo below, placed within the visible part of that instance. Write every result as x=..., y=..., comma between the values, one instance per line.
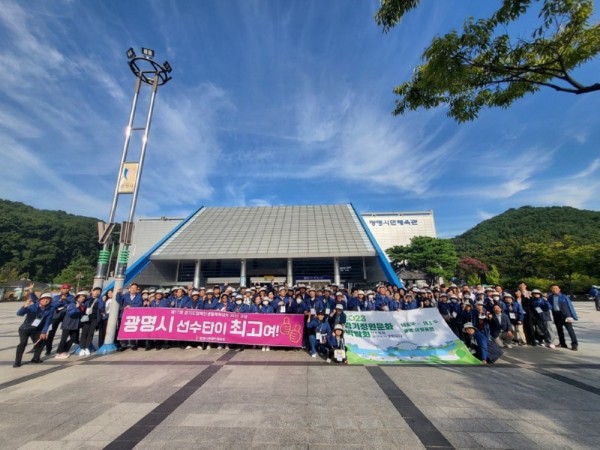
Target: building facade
x=398, y=228
x=310, y=244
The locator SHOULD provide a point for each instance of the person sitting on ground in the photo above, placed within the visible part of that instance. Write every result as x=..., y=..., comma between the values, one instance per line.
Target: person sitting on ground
x=480, y=346
x=319, y=330
x=337, y=346
x=38, y=318
x=500, y=327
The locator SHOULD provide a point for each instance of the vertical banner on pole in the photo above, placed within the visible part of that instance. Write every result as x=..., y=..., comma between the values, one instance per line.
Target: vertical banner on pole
x=128, y=178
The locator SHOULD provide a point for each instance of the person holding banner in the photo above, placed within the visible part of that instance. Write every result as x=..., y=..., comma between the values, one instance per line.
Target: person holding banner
x=337, y=346
x=318, y=332
x=132, y=299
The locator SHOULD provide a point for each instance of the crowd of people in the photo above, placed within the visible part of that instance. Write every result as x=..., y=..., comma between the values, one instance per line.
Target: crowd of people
x=484, y=318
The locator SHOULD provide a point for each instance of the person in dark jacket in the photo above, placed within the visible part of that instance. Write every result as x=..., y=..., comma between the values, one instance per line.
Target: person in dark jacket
x=337, y=346
x=318, y=332
x=94, y=312
x=133, y=299
x=70, y=325
x=38, y=318
x=564, y=315
x=477, y=342
x=500, y=327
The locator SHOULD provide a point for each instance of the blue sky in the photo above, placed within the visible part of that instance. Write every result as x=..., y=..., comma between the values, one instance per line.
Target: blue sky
x=272, y=103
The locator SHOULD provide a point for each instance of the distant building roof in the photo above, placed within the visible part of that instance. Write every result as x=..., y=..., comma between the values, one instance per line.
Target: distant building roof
x=269, y=232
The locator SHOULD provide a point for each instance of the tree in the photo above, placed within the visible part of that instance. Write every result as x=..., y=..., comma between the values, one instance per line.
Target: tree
x=493, y=275
x=471, y=266
x=436, y=257
x=79, y=272
x=485, y=66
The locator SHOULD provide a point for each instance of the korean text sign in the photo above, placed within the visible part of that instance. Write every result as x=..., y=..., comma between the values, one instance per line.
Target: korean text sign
x=415, y=336
x=211, y=326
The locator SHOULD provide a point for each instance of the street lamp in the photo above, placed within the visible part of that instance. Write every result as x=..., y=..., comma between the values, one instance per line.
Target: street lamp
x=147, y=72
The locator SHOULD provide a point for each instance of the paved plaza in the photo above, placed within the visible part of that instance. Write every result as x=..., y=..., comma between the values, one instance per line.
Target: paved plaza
x=532, y=398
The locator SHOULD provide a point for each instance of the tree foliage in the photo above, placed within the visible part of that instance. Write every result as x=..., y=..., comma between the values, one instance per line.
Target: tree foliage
x=471, y=266
x=39, y=243
x=436, y=257
x=488, y=66
x=555, y=244
x=493, y=275
x=79, y=273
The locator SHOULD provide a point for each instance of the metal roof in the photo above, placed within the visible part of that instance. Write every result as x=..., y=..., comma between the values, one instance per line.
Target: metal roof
x=269, y=232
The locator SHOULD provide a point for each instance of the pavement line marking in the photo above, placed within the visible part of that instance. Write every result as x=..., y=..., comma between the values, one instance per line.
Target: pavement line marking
x=137, y=432
x=569, y=381
x=33, y=376
x=427, y=433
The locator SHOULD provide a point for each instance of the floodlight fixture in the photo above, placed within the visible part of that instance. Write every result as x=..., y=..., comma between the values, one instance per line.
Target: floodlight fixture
x=167, y=66
x=130, y=53
x=148, y=52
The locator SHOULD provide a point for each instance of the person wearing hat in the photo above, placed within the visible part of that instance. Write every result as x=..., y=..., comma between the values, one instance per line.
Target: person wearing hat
x=541, y=317
x=318, y=331
x=281, y=302
x=381, y=299
x=313, y=303
x=70, y=325
x=479, y=318
x=59, y=303
x=395, y=303
x=337, y=346
x=356, y=299
x=195, y=301
x=38, y=319
x=516, y=316
x=476, y=341
x=337, y=316
x=94, y=312
x=408, y=302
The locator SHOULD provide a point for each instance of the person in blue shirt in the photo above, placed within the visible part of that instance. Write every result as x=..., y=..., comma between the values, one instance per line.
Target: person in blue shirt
x=564, y=315
x=59, y=304
x=70, y=325
x=408, y=302
x=38, y=319
x=541, y=316
x=180, y=299
x=313, y=303
x=337, y=316
x=318, y=332
x=369, y=303
x=281, y=302
x=298, y=306
x=501, y=330
x=94, y=311
x=516, y=315
x=133, y=299
x=477, y=342
x=337, y=349
x=395, y=303
x=195, y=301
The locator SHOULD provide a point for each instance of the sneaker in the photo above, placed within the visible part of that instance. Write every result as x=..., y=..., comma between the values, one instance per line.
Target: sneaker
x=37, y=361
x=227, y=347
x=509, y=346
x=551, y=346
x=563, y=345
x=81, y=352
x=88, y=352
x=188, y=347
x=328, y=361
x=264, y=349
x=574, y=347
x=268, y=349
x=48, y=352
x=219, y=346
x=313, y=355
x=15, y=365
x=62, y=356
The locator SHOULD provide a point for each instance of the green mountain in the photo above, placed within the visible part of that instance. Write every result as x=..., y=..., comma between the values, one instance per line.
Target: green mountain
x=500, y=240
x=41, y=243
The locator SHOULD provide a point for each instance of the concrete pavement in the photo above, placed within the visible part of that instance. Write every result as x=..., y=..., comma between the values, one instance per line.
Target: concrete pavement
x=532, y=398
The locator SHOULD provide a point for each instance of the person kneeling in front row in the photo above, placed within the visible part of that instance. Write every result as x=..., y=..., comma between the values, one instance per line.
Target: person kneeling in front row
x=337, y=345
x=480, y=346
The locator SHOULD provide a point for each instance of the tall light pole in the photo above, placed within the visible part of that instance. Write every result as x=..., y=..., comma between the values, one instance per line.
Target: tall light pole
x=147, y=72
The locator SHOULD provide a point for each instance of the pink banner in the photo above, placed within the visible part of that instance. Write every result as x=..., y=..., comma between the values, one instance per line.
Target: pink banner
x=168, y=324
